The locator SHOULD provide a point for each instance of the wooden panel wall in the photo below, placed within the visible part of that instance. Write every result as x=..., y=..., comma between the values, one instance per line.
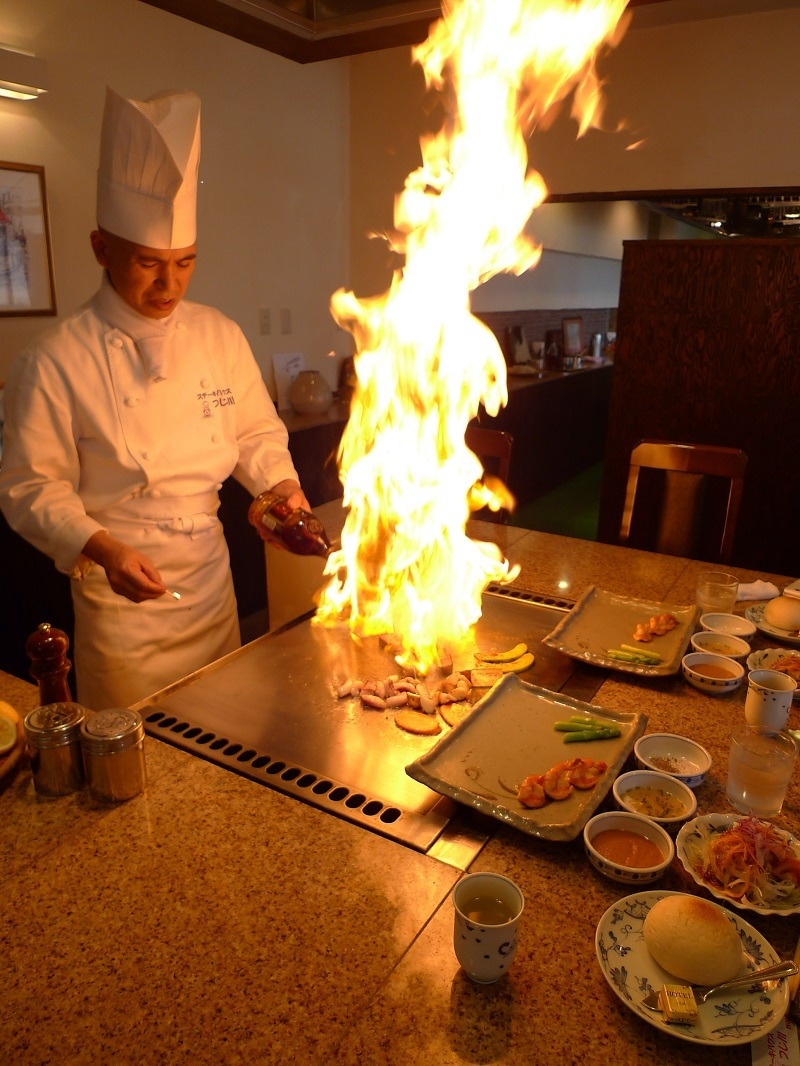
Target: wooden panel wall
x=708, y=351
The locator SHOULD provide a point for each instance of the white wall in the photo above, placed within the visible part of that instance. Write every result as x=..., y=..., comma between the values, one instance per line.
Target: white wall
x=712, y=101
x=581, y=258
x=272, y=212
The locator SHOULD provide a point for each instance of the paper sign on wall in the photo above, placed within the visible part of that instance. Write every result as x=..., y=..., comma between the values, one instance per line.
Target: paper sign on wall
x=287, y=366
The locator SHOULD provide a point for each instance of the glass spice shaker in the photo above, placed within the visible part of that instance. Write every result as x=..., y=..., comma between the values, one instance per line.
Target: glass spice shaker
x=296, y=530
x=113, y=754
x=54, y=749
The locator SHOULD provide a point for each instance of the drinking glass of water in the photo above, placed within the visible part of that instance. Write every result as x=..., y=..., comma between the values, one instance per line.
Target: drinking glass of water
x=716, y=592
x=759, y=770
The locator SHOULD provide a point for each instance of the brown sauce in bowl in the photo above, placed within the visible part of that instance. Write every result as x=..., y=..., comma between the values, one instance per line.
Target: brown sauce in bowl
x=626, y=848
x=714, y=670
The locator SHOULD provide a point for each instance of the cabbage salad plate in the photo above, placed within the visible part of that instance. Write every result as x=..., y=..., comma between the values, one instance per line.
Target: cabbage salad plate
x=769, y=894
x=735, y=1017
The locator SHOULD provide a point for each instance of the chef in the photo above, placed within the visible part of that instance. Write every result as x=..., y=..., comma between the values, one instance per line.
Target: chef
x=123, y=421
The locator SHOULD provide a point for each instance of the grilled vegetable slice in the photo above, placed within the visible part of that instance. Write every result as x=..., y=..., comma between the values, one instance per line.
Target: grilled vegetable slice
x=502, y=656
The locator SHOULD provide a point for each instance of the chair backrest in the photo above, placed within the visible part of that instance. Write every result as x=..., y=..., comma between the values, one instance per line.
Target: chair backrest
x=491, y=444
x=493, y=448
x=676, y=515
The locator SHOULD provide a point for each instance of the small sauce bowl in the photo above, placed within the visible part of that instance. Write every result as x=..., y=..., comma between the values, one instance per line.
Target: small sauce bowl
x=721, y=644
x=671, y=790
x=642, y=827
x=674, y=755
x=716, y=675
x=732, y=624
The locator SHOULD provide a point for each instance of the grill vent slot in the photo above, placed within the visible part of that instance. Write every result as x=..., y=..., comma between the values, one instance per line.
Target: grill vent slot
x=294, y=780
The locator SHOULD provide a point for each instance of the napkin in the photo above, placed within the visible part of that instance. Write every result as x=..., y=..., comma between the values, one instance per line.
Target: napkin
x=757, y=590
x=780, y=1045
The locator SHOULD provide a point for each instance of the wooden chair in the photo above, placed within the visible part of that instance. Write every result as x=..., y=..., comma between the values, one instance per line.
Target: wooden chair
x=690, y=504
x=493, y=448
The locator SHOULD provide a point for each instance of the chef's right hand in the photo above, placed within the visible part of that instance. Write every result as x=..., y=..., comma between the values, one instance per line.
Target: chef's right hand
x=129, y=573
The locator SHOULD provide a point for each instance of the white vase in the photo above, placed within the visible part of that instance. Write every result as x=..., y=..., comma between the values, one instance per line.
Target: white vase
x=310, y=393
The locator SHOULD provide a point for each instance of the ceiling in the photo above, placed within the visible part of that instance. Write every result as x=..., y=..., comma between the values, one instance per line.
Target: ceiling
x=310, y=30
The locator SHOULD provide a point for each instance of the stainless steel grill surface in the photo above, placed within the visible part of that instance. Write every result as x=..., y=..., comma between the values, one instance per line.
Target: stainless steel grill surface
x=270, y=712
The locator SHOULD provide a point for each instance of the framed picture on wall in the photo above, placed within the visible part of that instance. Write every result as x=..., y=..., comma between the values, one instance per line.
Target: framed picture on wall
x=572, y=335
x=26, y=261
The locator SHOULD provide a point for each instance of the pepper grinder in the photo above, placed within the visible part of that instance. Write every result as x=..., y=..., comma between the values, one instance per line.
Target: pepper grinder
x=47, y=649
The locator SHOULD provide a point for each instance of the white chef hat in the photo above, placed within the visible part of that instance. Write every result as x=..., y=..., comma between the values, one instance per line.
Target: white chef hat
x=147, y=179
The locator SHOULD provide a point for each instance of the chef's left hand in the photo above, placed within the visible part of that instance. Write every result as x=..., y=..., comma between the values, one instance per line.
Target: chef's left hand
x=130, y=573
x=293, y=493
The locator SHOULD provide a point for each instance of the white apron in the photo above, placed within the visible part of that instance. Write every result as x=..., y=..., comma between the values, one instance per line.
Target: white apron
x=120, y=646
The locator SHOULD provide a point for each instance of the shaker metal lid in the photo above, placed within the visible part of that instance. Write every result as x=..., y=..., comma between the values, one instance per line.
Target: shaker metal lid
x=54, y=724
x=113, y=730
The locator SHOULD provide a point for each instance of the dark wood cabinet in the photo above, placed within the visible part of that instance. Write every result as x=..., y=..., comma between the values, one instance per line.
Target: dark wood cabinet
x=708, y=351
x=559, y=425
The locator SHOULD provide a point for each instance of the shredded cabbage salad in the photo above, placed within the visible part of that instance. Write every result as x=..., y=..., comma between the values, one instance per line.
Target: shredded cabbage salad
x=751, y=861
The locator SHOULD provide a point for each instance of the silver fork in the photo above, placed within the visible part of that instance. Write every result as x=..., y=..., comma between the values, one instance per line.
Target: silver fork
x=769, y=973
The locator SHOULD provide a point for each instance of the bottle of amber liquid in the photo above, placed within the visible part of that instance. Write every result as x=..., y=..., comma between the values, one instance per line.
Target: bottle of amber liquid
x=296, y=530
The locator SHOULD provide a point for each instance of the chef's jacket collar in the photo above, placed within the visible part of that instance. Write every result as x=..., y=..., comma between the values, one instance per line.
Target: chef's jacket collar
x=154, y=337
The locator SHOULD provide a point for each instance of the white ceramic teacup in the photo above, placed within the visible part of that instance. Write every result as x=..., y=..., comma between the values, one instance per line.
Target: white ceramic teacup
x=487, y=909
x=769, y=700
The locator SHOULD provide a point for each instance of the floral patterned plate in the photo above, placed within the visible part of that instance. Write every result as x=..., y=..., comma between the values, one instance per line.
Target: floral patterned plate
x=755, y=614
x=735, y=1017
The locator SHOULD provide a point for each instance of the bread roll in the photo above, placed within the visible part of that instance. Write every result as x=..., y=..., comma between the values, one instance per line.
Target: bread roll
x=693, y=940
x=783, y=613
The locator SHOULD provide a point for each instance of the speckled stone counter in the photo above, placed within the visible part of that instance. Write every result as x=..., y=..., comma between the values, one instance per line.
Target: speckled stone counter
x=212, y=920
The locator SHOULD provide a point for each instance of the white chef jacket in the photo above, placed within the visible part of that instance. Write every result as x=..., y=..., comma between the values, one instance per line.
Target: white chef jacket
x=121, y=422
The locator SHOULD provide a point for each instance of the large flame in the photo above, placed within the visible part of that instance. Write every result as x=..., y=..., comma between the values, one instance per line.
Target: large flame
x=424, y=364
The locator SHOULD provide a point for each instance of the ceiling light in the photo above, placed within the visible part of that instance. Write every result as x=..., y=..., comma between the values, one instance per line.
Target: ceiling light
x=22, y=75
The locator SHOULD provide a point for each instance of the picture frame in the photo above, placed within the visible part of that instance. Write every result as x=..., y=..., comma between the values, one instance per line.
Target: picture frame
x=572, y=333
x=26, y=261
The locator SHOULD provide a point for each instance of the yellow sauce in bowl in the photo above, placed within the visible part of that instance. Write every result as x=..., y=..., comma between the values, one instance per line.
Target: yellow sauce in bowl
x=653, y=802
x=720, y=648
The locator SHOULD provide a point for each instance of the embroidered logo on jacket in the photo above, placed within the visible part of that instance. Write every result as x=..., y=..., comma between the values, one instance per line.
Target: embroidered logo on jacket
x=215, y=398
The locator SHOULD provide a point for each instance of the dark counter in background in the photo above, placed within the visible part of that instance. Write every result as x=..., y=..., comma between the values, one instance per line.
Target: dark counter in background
x=559, y=424
x=558, y=421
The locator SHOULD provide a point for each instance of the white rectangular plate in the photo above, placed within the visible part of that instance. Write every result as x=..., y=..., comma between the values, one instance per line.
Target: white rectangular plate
x=601, y=620
x=509, y=735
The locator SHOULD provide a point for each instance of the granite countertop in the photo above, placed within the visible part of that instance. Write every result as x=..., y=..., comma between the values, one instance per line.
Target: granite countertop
x=211, y=920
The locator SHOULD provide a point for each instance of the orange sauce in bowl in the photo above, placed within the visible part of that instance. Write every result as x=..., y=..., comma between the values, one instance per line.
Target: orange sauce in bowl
x=626, y=848
x=714, y=670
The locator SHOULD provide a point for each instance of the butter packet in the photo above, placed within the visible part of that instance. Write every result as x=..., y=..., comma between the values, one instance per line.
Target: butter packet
x=678, y=1004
